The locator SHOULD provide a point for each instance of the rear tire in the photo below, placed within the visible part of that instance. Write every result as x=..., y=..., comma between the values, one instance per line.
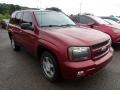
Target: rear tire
x=49, y=66
x=14, y=45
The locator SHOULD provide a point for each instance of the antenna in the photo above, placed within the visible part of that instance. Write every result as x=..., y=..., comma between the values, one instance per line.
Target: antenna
x=80, y=11
x=80, y=8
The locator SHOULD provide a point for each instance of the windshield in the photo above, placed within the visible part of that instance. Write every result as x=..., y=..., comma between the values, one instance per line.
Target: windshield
x=49, y=18
x=116, y=19
x=101, y=21
x=112, y=18
x=111, y=22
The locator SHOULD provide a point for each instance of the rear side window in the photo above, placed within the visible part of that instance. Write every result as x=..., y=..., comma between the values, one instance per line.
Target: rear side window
x=19, y=18
x=13, y=15
x=75, y=19
x=85, y=20
x=12, y=20
x=27, y=17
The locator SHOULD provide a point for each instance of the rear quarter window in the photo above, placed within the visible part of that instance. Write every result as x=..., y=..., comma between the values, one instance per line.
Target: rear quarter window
x=18, y=18
x=12, y=20
x=75, y=19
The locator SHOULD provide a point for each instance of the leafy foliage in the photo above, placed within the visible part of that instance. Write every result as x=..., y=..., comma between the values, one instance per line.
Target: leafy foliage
x=54, y=9
x=8, y=8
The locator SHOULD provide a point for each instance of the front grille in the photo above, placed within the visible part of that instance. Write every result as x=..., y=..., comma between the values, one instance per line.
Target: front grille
x=100, y=44
x=100, y=49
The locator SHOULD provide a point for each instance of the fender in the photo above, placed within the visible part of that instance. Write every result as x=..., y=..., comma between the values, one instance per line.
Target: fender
x=50, y=46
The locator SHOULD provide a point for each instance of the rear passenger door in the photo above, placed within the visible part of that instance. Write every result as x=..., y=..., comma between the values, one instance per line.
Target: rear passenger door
x=28, y=36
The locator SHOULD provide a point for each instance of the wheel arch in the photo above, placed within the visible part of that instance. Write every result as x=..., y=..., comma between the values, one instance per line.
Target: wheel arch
x=41, y=49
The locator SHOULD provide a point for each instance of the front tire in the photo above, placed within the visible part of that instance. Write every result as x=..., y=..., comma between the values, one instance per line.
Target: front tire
x=49, y=66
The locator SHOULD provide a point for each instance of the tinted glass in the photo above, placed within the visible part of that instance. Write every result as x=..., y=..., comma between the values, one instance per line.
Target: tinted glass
x=75, y=19
x=85, y=20
x=12, y=20
x=53, y=19
x=19, y=17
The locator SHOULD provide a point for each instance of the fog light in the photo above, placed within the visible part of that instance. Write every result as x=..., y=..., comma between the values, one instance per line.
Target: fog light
x=80, y=73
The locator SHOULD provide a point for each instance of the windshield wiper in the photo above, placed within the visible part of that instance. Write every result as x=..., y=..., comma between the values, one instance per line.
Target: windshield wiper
x=51, y=26
x=68, y=25
x=58, y=25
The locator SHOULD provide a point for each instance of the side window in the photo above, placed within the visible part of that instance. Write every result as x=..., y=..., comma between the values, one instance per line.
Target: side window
x=75, y=19
x=18, y=18
x=27, y=17
x=85, y=20
x=27, y=21
x=12, y=20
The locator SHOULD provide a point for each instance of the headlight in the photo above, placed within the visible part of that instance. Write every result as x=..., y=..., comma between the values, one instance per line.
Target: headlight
x=117, y=31
x=79, y=53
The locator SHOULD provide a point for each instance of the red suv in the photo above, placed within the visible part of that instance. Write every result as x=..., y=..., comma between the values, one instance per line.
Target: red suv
x=99, y=24
x=63, y=48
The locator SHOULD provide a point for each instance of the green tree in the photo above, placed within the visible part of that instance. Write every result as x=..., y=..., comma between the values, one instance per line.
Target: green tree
x=54, y=9
x=11, y=9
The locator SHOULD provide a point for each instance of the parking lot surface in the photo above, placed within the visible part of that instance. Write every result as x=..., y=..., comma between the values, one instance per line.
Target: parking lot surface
x=21, y=71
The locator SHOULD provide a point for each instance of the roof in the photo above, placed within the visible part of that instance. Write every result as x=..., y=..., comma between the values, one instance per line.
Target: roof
x=32, y=10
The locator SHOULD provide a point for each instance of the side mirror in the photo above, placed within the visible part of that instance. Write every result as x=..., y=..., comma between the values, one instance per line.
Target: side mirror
x=27, y=26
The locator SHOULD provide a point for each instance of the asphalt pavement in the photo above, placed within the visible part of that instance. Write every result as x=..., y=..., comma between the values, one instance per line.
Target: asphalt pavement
x=21, y=71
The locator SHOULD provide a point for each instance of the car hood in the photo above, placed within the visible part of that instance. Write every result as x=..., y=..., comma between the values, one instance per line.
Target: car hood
x=78, y=36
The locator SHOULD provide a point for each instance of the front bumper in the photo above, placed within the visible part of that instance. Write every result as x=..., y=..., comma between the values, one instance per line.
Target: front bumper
x=76, y=70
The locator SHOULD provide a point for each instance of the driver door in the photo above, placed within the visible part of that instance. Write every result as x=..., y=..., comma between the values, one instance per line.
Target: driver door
x=28, y=36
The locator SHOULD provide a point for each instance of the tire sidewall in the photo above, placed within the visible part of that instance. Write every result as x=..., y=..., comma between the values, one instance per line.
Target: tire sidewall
x=56, y=74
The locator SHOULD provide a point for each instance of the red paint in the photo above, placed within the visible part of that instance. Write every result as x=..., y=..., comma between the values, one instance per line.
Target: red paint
x=101, y=27
x=58, y=40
